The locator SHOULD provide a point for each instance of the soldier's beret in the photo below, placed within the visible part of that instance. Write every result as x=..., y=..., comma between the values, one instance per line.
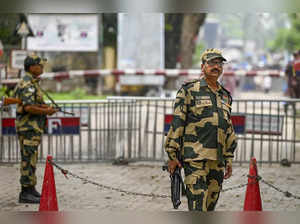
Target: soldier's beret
x=210, y=54
x=34, y=60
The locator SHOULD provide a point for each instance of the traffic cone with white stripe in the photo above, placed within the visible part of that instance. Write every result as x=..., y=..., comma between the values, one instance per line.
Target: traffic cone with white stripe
x=48, y=200
x=252, y=198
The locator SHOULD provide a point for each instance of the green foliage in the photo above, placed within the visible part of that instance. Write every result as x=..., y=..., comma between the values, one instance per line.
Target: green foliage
x=279, y=43
x=288, y=38
x=8, y=23
x=168, y=27
x=3, y=91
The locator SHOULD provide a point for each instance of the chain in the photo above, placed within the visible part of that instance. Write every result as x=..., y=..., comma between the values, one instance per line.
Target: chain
x=233, y=188
x=85, y=180
x=286, y=193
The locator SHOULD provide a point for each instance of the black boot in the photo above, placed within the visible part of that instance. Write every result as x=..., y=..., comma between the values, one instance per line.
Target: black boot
x=27, y=197
x=34, y=192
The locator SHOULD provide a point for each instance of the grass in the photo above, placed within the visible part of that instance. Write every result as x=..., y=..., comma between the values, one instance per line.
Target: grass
x=77, y=94
x=68, y=96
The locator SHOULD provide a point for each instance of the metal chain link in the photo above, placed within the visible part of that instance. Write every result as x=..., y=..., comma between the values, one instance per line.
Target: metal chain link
x=286, y=193
x=233, y=188
x=85, y=180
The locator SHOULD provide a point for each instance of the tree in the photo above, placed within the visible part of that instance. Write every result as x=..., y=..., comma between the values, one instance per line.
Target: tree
x=288, y=38
x=181, y=32
x=190, y=29
x=10, y=41
x=8, y=24
x=173, y=27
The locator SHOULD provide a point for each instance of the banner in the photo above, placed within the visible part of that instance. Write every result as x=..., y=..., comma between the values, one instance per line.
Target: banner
x=54, y=126
x=63, y=32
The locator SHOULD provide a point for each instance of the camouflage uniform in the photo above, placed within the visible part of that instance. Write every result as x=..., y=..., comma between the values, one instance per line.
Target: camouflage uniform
x=202, y=121
x=29, y=127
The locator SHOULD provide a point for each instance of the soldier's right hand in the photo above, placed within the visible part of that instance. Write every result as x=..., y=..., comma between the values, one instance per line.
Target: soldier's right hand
x=172, y=164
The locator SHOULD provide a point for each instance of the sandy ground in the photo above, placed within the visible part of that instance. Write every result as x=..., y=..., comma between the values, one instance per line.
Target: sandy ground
x=75, y=195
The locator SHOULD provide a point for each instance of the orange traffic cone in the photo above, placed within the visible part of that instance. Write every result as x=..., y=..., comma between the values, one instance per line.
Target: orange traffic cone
x=252, y=199
x=48, y=200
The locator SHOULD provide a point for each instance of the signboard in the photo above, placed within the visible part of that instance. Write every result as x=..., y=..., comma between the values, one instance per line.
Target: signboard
x=54, y=126
x=239, y=123
x=156, y=80
x=63, y=32
x=17, y=59
x=264, y=124
x=82, y=112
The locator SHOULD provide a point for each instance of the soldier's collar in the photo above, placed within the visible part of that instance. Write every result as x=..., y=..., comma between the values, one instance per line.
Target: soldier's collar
x=32, y=78
x=204, y=83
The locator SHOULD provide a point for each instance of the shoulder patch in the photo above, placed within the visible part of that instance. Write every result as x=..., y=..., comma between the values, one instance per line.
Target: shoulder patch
x=228, y=93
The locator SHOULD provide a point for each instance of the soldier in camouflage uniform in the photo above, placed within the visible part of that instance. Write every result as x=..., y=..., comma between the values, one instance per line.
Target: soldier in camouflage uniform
x=30, y=123
x=202, y=123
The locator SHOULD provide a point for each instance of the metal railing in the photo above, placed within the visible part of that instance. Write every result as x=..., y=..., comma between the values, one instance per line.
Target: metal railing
x=133, y=128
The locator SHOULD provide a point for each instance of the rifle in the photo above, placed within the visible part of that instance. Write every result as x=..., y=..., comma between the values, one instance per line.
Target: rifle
x=11, y=100
x=177, y=184
x=5, y=101
x=55, y=104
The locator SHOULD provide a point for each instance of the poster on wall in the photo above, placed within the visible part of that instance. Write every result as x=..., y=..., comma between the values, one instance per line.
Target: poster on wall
x=63, y=32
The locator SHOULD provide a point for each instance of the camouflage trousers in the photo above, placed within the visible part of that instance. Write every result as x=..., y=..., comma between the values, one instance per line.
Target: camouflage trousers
x=29, y=142
x=203, y=181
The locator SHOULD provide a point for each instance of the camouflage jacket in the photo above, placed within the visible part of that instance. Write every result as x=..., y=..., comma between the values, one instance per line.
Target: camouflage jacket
x=201, y=124
x=29, y=92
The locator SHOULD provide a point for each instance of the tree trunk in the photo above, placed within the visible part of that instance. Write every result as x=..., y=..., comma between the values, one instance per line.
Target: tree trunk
x=190, y=29
x=173, y=27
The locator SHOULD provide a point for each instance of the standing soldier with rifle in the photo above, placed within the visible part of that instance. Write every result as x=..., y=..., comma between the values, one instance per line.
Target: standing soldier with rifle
x=30, y=124
x=202, y=132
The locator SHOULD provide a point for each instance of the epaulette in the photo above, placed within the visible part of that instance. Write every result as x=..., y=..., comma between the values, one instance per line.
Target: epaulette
x=188, y=82
x=24, y=83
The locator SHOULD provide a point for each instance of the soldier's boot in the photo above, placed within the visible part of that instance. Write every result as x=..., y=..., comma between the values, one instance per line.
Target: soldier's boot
x=26, y=196
x=34, y=192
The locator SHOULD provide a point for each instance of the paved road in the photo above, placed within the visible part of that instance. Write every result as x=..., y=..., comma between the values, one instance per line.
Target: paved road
x=74, y=195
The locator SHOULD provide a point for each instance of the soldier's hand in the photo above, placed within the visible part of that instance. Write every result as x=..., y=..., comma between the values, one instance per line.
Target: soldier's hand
x=228, y=172
x=51, y=111
x=172, y=164
x=44, y=105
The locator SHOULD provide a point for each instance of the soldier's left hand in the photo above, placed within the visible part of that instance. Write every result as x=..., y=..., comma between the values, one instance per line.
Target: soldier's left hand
x=228, y=172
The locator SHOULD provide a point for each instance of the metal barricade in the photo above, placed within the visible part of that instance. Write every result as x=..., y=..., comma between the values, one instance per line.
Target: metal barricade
x=133, y=128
